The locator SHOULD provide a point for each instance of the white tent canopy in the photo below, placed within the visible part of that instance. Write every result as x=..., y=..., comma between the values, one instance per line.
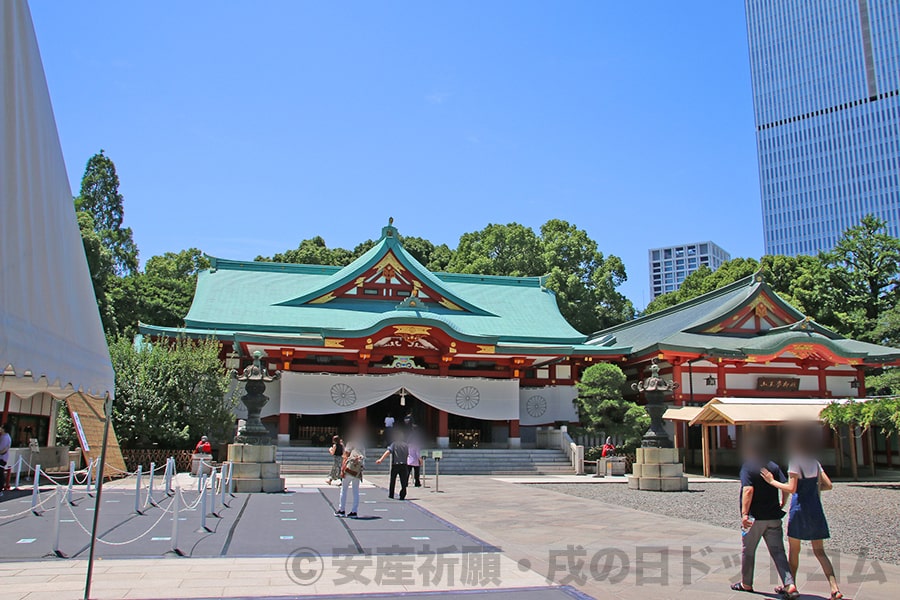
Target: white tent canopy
x=51, y=337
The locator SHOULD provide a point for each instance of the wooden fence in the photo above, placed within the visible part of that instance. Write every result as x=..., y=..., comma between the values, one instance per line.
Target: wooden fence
x=144, y=456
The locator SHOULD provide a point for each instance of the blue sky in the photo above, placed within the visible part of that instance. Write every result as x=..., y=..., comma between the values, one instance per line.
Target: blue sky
x=242, y=128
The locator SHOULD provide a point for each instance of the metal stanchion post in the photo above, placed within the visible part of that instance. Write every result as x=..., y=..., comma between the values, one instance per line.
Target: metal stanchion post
x=176, y=499
x=203, y=503
x=18, y=470
x=231, y=479
x=56, y=525
x=222, y=486
x=71, y=481
x=137, y=490
x=150, y=500
x=89, y=475
x=35, y=488
x=437, y=474
x=168, y=476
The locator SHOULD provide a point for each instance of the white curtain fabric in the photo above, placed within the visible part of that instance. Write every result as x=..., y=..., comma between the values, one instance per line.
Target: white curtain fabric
x=320, y=394
x=51, y=337
x=546, y=405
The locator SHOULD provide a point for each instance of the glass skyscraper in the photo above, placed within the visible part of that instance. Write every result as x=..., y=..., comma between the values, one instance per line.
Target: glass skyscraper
x=826, y=99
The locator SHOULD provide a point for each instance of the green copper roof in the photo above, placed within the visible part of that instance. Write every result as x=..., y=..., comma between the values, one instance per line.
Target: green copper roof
x=257, y=297
x=681, y=327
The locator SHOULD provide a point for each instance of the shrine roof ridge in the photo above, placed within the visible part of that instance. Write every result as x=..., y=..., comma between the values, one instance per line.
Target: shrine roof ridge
x=217, y=263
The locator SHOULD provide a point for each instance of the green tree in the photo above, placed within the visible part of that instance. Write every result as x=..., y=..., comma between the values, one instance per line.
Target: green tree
x=434, y=258
x=512, y=249
x=583, y=279
x=170, y=393
x=101, y=267
x=100, y=198
x=604, y=409
x=313, y=251
x=865, y=270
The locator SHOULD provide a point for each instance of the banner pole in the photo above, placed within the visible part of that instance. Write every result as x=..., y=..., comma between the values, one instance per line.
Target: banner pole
x=101, y=470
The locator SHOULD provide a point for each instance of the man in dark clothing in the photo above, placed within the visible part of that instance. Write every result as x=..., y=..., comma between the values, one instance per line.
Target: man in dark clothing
x=761, y=514
x=399, y=453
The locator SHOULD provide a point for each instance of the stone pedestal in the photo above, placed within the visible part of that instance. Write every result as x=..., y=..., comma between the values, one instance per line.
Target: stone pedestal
x=255, y=469
x=658, y=470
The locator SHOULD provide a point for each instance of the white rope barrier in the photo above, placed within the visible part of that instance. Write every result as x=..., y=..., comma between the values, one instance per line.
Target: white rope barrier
x=62, y=495
x=28, y=510
x=126, y=542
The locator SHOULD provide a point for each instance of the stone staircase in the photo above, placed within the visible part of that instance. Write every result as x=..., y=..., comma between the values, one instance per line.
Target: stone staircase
x=305, y=460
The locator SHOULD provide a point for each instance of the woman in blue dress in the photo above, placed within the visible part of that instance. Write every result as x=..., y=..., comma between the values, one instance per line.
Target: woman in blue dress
x=806, y=520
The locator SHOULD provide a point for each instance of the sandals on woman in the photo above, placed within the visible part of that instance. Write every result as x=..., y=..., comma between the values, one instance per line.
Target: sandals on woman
x=739, y=587
x=837, y=595
x=782, y=591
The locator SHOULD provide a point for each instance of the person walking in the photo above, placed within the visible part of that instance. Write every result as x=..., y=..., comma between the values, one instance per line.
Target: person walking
x=352, y=467
x=337, y=452
x=414, y=460
x=5, y=445
x=761, y=515
x=806, y=520
x=399, y=453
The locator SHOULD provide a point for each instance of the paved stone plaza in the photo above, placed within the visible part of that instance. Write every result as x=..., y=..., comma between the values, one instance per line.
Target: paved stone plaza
x=478, y=533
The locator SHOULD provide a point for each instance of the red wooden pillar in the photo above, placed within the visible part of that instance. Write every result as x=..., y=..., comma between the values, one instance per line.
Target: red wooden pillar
x=677, y=370
x=361, y=415
x=861, y=388
x=720, y=379
x=284, y=429
x=823, y=382
x=443, y=436
x=514, y=440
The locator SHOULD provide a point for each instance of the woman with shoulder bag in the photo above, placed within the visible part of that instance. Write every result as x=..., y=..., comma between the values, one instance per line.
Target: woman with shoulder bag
x=806, y=519
x=354, y=460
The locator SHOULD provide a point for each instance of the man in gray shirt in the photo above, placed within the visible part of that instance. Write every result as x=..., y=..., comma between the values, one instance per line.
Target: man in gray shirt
x=399, y=452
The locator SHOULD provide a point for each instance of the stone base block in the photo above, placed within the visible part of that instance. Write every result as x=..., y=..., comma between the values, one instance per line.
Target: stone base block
x=248, y=485
x=246, y=470
x=634, y=483
x=273, y=485
x=270, y=470
x=673, y=484
x=671, y=470
x=648, y=470
x=249, y=453
x=657, y=455
x=651, y=484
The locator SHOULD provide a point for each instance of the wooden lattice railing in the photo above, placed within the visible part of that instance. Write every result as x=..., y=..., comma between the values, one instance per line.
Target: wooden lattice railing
x=144, y=456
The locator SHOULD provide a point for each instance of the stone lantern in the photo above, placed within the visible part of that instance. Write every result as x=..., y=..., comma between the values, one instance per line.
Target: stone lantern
x=254, y=377
x=655, y=389
x=252, y=455
x=657, y=466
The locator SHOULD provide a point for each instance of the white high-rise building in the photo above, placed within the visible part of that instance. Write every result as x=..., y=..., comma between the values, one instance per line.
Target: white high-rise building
x=670, y=265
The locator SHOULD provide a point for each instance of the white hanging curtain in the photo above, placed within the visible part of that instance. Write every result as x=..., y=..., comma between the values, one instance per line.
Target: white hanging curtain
x=51, y=337
x=322, y=394
x=547, y=405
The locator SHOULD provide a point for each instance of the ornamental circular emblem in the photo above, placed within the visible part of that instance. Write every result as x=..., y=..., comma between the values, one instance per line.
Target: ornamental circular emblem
x=343, y=395
x=536, y=406
x=467, y=398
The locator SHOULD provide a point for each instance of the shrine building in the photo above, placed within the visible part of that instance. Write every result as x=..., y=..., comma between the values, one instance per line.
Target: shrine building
x=475, y=360
x=757, y=357
x=479, y=360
